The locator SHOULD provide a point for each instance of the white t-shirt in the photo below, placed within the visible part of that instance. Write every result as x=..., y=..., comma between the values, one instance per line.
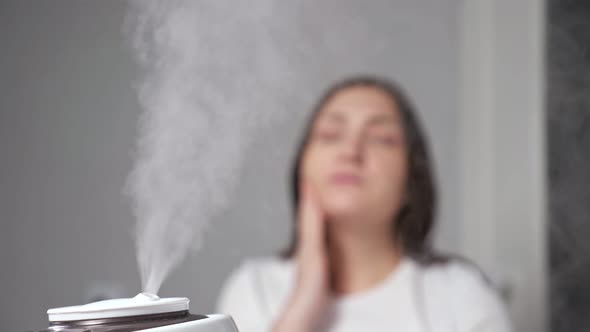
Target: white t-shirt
x=448, y=297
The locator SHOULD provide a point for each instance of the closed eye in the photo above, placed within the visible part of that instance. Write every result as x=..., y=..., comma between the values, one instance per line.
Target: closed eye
x=388, y=140
x=328, y=135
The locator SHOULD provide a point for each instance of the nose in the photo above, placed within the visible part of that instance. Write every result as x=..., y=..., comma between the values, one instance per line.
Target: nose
x=352, y=149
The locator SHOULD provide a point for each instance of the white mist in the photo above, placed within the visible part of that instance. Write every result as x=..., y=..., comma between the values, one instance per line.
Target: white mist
x=203, y=93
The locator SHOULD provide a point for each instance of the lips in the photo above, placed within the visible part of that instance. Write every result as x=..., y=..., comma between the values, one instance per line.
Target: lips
x=346, y=179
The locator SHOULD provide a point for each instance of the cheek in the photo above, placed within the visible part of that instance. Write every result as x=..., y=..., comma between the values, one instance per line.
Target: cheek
x=313, y=165
x=389, y=174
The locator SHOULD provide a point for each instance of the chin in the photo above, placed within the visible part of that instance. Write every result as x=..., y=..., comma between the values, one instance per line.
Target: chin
x=342, y=207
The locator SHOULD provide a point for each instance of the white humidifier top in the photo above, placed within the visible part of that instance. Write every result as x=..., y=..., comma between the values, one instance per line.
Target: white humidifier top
x=142, y=304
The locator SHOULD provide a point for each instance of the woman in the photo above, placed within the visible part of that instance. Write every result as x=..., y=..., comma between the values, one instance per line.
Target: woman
x=360, y=258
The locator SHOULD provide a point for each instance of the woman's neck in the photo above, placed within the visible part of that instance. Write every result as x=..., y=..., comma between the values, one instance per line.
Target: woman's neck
x=359, y=261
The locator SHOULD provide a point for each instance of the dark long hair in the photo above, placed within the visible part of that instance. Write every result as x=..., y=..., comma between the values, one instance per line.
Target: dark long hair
x=415, y=219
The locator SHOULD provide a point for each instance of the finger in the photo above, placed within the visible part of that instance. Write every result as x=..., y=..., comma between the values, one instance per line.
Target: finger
x=311, y=223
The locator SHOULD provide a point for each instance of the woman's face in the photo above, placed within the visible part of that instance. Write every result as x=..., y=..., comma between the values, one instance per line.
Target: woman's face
x=356, y=157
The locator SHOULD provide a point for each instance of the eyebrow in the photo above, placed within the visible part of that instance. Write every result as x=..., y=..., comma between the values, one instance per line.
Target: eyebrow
x=333, y=116
x=339, y=118
x=383, y=119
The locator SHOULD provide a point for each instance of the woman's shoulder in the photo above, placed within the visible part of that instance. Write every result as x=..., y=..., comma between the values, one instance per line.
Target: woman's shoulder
x=255, y=283
x=455, y=272
x=462, y=287
x=262, y=269
x=461, y=277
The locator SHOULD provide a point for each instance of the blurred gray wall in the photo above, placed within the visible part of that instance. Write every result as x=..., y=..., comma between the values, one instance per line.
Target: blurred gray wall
x=68, y=115
x=67, y=120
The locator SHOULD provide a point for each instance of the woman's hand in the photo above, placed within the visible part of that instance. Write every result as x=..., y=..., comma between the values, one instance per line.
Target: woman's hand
x=311, y=291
